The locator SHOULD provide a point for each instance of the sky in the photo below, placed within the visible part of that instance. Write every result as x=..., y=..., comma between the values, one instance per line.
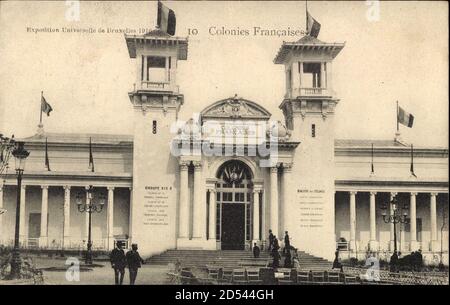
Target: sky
x=86, y=77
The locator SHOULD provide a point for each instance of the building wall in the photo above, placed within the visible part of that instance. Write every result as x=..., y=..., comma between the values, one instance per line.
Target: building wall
x=383, y=229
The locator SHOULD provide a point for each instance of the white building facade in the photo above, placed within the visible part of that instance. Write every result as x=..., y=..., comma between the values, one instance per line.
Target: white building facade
x=223, y=179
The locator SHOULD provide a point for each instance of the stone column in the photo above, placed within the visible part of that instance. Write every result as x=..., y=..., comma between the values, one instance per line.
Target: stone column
x=274, y=201
x=43, y=238
x=110, y=218
x=199, y=216
x=373, y=243
x=352, y=243
x=1, y=217
x=391, y=225
x=434, y=244
x=66, y=224
x=414, y=245
x=256, y=216
x=212, y=214
x=130, y=218
x=184, y=201
x=287, y=178
x=263, y=215
x=22, y=227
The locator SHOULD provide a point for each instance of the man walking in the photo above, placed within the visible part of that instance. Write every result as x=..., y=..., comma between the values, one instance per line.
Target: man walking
x=134, y=262
x=270, y=240
x=118, y=263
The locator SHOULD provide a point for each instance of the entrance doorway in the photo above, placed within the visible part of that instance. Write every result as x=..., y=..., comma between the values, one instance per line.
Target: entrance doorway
x=234, y=219
x=233, y=222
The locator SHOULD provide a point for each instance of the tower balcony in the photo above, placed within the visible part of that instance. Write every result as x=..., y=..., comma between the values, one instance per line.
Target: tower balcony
x=158, y=86
x=308, y=92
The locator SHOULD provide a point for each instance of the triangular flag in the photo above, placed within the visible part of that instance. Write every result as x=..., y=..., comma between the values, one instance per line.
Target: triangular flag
x=91, y=157
x=412, y=162
x=47, y=162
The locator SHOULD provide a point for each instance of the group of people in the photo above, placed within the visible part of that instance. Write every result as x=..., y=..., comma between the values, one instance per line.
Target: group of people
x=412, y=261
x=119, y=261
x=274, y=247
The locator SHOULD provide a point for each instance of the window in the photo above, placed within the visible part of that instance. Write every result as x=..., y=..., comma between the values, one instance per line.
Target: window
x=311, y=76
x=154, y=127
x=313, y=130
x=156, y=69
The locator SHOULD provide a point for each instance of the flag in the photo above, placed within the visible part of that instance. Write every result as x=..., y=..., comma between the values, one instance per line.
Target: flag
x=166, y=19
x=312, y=26
x=372, y=171
x=45, y=107
x=91, y=158
x=404, y=117
x=412, y=162
x=47, y=162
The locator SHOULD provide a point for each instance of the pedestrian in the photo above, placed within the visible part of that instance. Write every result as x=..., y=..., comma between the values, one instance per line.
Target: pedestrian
x=276, y=258
x=134, y=261
x=275, y=245
x=118, y=263
x=256, y=251
x=270, y=240
x=336, y=263
x=287, y=260
x=287, y=242
x=393, y=263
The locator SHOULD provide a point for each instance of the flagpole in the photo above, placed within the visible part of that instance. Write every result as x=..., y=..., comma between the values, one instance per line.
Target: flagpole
x=306, y=15
x=40, y=109
x=397, y=118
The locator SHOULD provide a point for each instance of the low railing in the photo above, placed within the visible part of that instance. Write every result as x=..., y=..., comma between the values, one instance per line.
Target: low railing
x=163, y=86
x=295, y=92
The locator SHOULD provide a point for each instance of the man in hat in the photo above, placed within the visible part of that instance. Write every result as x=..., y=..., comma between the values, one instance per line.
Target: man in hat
x=118, y=262
x=134, y=262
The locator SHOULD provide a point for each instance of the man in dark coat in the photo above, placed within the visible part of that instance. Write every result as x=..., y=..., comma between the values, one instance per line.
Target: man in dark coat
x=270, y=241
x=118, y=262
x=256, y=250
x=134, y=262
x=287, y=242
x=393, y=263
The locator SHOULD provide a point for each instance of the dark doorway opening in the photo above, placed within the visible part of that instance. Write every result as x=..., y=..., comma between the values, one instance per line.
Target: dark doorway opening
x=233, y=226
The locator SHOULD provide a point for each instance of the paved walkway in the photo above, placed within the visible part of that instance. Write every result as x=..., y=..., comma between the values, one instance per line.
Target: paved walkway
x=101, y=275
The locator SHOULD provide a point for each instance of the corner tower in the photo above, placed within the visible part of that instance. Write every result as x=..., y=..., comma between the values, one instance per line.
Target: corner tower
x=308, y=107
x=156, y=100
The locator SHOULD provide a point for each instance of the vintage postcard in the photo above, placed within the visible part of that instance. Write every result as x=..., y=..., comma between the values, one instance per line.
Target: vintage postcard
x=224, y=142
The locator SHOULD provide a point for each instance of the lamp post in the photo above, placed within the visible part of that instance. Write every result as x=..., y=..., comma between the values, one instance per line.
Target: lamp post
x=20, y=155
x=396, y=215
x=89, y=207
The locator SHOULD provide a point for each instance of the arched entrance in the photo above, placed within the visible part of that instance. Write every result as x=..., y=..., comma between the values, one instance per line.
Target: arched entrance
x=234, y=191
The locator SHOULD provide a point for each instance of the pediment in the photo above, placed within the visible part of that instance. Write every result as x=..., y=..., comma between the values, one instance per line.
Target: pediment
x=235, y=108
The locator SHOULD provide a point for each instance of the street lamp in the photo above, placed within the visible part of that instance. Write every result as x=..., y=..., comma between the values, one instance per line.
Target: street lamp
x=396, y=215
x=89, y=207
x=20, y=155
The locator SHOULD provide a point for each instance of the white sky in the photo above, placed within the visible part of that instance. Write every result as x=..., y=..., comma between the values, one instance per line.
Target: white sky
x=86, y=77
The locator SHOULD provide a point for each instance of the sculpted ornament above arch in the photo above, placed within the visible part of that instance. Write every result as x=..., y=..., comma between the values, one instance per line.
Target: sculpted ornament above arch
x=235, y=107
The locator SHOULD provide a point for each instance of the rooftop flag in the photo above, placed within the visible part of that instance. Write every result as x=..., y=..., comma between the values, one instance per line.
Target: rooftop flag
x=312, y=26
x=166, y=19
x=45, y=107
x=404, y=117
